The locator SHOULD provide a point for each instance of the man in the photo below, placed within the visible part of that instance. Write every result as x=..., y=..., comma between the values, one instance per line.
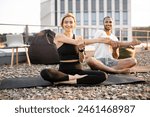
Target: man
x=105, y=57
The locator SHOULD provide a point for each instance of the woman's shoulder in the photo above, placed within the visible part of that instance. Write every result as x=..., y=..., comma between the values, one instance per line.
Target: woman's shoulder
x=59, y=35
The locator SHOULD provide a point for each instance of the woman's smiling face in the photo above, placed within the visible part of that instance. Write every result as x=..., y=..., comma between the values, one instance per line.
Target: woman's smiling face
x=68, y=24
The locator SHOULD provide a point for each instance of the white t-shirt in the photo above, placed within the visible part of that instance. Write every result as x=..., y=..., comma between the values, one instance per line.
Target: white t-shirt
x=103, y=50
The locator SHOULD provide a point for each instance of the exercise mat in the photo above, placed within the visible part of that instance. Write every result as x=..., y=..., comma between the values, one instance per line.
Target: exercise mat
x=27, y=82
x=23, y=82
x=122, y=79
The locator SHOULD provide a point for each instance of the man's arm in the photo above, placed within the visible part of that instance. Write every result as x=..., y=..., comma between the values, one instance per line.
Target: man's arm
x=127, y=44
x=115, y=53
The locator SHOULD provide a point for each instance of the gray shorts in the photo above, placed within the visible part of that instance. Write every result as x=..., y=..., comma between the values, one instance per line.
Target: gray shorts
x=108, y=61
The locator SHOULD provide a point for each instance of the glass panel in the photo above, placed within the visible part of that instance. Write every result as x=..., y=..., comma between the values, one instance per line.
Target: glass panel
x=109, y=13
x=78, y=20
x=78, y=31
x=125, y=18
x=117, y=2
x=109, y=3
x=86, y=33
x=69, y=5
x=93, y=18
x=101, y=16
x=93, y=30
x=117, y=18
x=86, y=18
x=78, y=15
x=117, y=33
x=125, y=34
x=101, y=5
x=93, y=5
x=77, y=5
x=62, y=8
x=125, y=5
x=85, y=12
x=85, y=5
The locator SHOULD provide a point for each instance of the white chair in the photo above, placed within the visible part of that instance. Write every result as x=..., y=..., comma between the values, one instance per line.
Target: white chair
x=15, y=42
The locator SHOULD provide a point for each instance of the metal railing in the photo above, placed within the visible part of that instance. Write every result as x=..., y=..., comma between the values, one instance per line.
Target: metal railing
x=142, y=35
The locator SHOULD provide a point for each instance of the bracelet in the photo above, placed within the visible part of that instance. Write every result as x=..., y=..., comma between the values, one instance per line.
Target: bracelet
x=81, y=50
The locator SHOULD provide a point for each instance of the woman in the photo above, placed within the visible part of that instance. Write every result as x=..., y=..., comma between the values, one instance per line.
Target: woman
x=71, y=53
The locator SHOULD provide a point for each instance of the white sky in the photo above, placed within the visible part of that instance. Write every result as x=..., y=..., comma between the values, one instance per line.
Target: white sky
x=28, y=12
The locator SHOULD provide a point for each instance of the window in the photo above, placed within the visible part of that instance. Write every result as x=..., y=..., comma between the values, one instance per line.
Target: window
x=70, y=6
x=78, y=31
x=109, y=3
x=125, y=5
x=101, y=17
x=125, y=12
x=93, y=18
x=125, y=34
x=93, y=30
x=117, y=12
x=117, y=18
x=101, y=11
x=85, y=5
x=125, y=18
x=78, y=20
x=117, y=33
x=101, y=5
x=78, y=6
x=86, y=18
x=85, y=12
x=93, y=7
x=109, y=8
x=78, y=15
x=109, y=13
x=86, y=33
x=62, y=8
x=117, y=4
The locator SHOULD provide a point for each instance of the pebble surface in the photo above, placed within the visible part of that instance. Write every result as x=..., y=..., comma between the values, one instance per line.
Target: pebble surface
x=140, y=91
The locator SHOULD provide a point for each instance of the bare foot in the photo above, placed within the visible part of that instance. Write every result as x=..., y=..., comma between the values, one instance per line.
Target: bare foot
x=76, y=76
x=123, y=71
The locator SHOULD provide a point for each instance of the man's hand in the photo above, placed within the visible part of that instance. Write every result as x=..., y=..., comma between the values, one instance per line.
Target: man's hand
x=114, y=44
x=135, y=42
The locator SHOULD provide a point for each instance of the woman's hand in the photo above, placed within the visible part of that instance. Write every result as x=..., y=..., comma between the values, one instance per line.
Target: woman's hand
x=81, y=48
x=79, y=41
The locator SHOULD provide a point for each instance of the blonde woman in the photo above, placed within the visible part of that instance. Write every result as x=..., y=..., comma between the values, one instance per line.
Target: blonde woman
x=71, y=52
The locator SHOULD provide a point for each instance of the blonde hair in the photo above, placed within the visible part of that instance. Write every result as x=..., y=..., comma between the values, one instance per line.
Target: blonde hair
x=68, y=15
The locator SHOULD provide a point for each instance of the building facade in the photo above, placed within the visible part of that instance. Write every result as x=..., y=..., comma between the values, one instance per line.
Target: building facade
x=89, y=15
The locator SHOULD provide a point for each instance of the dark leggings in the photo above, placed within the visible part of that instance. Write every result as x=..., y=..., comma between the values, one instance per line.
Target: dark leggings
x=93, y=77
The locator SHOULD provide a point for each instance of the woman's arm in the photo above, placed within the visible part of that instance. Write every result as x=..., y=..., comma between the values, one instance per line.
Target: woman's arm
x=81, y=50
x=97, y=40
x=64, y=39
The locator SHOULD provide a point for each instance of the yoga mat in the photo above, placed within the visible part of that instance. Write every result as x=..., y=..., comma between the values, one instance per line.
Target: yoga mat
x=114, y=79
x=25, y=82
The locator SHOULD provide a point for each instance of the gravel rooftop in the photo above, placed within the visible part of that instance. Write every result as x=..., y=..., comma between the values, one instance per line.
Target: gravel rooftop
x=139, y=91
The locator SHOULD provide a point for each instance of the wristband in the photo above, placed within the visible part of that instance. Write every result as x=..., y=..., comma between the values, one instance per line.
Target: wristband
x=81, y=50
